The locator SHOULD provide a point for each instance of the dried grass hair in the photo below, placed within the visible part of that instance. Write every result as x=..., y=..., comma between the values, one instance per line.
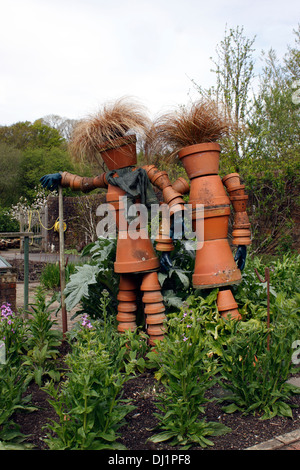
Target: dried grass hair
x=202, y=121
x=115, y=124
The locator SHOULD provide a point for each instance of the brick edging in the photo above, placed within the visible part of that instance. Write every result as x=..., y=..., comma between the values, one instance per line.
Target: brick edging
x=280, y=442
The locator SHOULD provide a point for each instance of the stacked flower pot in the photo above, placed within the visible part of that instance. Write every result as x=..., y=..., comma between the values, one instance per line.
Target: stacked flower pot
x=241, y=227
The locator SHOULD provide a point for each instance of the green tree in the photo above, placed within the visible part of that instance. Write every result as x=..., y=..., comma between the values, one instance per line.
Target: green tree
x=25, y=135
x=234, y=69
x=10, y=160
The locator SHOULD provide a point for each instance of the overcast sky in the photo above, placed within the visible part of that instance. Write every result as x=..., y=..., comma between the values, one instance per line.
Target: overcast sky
x=67, y=57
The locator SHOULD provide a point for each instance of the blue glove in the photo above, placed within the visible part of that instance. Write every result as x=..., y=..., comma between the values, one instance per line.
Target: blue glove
x=165, y=261
x=240, y=256
x=51, y=182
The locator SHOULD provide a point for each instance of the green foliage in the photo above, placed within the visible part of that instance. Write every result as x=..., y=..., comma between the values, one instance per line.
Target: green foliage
x=43, y=342
x=255, y=375
x=50, y=275
x=90, y=280
x=7, y=223
x=25, y=135
x=89, y=404
x=187, y=370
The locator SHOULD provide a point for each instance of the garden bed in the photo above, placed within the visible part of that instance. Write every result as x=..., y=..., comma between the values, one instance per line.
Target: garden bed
x=246, y=430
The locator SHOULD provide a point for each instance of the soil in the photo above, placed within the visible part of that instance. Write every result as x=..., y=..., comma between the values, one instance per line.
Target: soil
x=246, y=431
x=142, y=390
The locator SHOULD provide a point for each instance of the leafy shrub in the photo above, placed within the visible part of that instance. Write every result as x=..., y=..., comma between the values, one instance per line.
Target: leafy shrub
x=257, y=374
x=89, y=403
x=187, y=369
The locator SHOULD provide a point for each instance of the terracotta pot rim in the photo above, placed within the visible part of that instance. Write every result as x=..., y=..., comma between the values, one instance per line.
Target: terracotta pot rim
x=243, y=197
x=231, y=175
x=204, y=147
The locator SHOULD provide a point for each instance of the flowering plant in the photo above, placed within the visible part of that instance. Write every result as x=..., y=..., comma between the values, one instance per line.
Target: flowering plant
x=187, y=369
x=12, y=334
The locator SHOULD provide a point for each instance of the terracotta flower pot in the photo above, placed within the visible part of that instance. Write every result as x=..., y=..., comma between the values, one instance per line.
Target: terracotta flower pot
x=127, y=282
x=201, y=159
x=161, y=180
x=237, y=191
x=157, y=307
x=215, y=223
x=127, y=307
x=156, y=319
x=126, y=326
x=215, y=265
x=239, y=203
x=133, y=256
x=150, y=282
x=154, y=339
x=241, y=220
x=208, y=190
x=156, y=330
x=231, y=181
x=126, y=295
x=123, y=155
x=152, y=297
x=227, y=306
x=126, y=317
x=169, y=194
x=241, y=237
x=181, y=186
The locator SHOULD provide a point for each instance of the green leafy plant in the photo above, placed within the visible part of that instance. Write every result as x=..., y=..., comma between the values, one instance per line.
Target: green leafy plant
x=50, y=275
x=89, y=403
x=43, y=341
x=86, y=285
x=13, y=334
x=255, y=374
x=187, y=370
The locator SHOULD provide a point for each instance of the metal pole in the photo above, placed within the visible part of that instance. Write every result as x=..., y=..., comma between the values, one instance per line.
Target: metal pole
x=26, y=273
x=62, y=259
x=267, y=280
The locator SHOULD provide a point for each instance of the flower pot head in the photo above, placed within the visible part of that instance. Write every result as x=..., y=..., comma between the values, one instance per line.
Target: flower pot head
x=110, y=134
x=201, y=159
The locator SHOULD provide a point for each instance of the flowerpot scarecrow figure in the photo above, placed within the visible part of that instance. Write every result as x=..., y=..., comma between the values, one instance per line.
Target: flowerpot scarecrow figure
x=110, y=136
x=192, y=134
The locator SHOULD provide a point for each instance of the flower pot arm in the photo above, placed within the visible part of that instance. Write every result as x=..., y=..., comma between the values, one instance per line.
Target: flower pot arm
x=84, y=184
x=241, y=226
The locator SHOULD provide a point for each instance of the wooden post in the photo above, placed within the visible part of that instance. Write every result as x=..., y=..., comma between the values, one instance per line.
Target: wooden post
x=26, y=273
x=62, y=259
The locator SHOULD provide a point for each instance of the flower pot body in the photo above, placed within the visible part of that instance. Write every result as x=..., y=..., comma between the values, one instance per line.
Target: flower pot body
x=133, y=255
x=214, y=263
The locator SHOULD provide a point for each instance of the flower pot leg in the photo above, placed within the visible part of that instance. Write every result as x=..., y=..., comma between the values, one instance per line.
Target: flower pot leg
x=153, y=307
x=127, y=306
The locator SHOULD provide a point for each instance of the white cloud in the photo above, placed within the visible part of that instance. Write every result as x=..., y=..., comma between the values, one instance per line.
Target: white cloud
x=67, y=57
